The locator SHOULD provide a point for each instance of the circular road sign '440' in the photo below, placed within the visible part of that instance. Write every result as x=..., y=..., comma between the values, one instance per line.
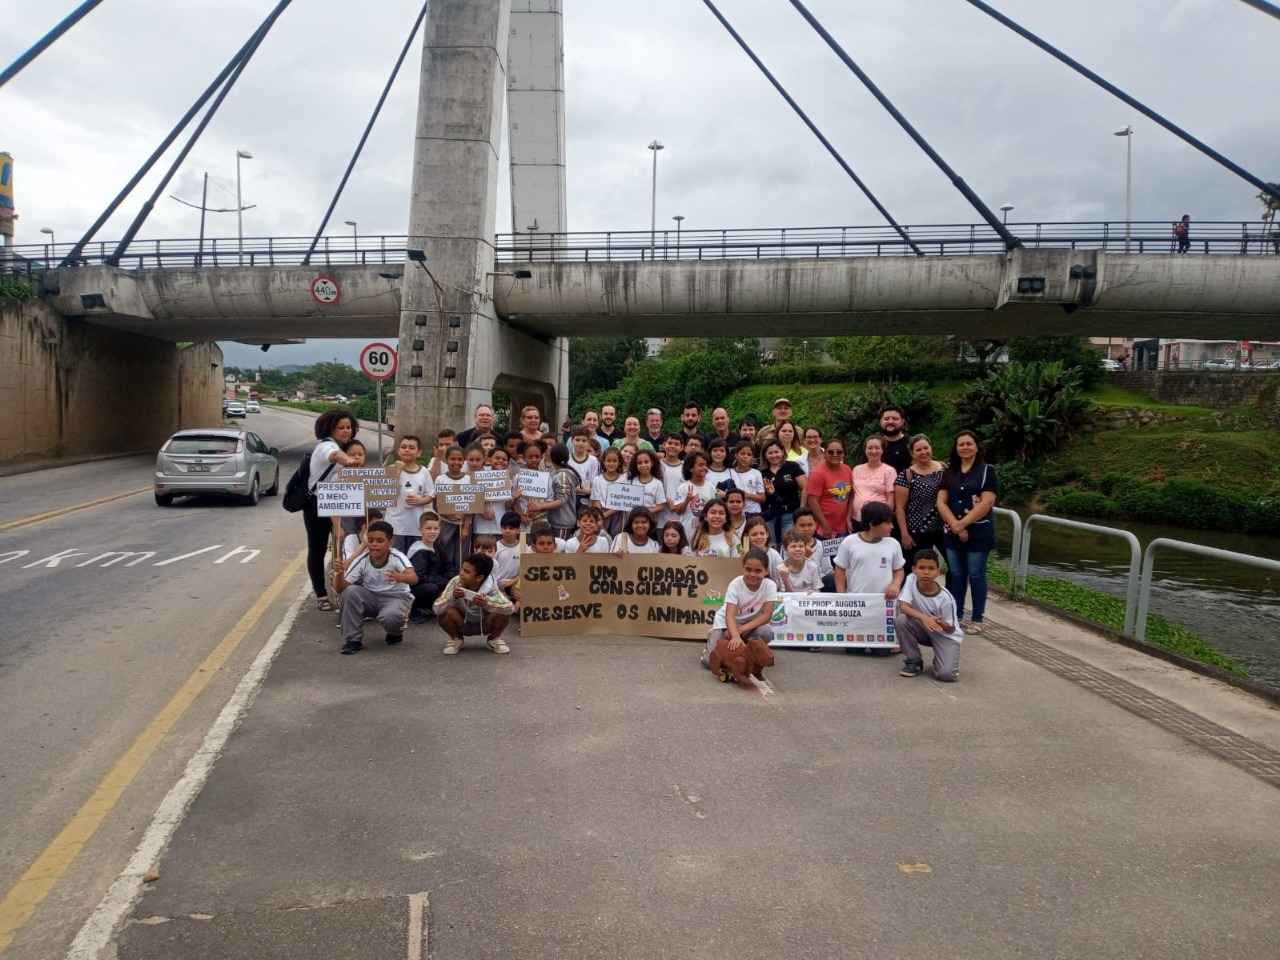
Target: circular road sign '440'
x=326, y=290
x=378, y=360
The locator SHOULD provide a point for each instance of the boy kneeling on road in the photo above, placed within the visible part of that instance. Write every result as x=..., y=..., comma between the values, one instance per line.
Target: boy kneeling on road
x=473, y=605
x=375, y=584
x=927, y=617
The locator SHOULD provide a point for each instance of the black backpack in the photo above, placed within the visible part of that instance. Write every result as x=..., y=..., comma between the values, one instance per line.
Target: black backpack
x=296, y=491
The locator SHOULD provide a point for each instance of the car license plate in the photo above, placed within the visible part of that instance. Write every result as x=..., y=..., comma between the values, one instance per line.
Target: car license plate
x=198, y=468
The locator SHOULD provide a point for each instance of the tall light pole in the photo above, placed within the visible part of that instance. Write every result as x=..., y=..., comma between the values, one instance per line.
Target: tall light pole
x=655, y=146
x=355, y=237
x=679, y=219
x=240, y=155
x=1127, y=132
x=1005, y=208
x=53, y=241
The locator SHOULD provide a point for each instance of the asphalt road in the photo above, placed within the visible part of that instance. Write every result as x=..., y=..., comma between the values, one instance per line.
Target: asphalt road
x=107, y=612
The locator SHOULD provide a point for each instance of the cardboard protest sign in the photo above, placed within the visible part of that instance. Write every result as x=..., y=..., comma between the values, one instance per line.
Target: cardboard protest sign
x=459, y=496
x=339, y=499
x=833, y=619
x=497, y=484
x=534, y=484
x=831, y=546
x=649, y=595
x=623, y=496
x=381, y=492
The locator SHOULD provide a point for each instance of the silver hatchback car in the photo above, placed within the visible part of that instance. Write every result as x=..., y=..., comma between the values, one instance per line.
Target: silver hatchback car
x=216, y=460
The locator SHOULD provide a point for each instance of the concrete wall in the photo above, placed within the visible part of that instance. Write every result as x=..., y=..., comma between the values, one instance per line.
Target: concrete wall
x=1196, y=388
x=73, y=390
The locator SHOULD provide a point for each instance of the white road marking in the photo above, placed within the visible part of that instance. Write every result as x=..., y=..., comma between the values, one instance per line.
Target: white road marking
x=187, y=556
x=102, y=924
x=419, y=939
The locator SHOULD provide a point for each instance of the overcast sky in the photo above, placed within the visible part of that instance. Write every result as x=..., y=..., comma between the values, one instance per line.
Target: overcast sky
x=1018, y=126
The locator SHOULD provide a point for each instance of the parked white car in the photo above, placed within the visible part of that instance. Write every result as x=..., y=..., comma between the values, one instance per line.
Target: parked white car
x=252, y=406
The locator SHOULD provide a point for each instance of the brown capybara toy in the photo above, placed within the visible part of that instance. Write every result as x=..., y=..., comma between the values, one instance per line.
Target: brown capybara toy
x=747, y=661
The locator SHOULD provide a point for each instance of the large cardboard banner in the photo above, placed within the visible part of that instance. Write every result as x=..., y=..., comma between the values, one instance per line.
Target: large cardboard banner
x=833, y=619
x=647, y=595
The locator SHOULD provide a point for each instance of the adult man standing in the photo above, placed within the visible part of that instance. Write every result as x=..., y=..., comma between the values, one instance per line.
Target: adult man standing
x=720, y=427
x=691, y=421
x=484, y=424
x=608, y=431
x=897, y=450
x=781, y=412
x=653, y=427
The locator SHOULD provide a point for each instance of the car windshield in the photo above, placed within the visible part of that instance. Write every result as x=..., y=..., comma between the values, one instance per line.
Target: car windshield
x=204, y=445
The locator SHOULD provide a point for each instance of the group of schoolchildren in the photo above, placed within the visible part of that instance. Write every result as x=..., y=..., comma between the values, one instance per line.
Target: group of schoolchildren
x=421, y=559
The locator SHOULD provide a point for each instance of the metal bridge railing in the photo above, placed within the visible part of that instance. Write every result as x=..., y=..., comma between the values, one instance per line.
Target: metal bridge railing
x=1148, y=237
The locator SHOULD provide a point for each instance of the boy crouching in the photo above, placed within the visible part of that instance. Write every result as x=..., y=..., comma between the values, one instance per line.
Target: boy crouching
x=375, y=584
x=473, y=605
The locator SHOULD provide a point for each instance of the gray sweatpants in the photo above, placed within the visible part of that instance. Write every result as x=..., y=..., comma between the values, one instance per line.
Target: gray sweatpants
x=357, y=602
x=946, y=652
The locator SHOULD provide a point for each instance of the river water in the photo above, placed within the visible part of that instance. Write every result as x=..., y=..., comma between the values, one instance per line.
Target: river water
x=1233, y=606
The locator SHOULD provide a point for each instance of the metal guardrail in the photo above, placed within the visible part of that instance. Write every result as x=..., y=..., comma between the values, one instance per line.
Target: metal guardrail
x=1147, y=237
x=1149, y=562
x=1016, y=546
x=1018, y=580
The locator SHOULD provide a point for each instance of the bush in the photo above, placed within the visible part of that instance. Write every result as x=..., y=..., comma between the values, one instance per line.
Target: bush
x=1017, y=483
x=1023, y=411
x=13, y=289
x=856, y=415
x=1187, y=503
x=1082, y=504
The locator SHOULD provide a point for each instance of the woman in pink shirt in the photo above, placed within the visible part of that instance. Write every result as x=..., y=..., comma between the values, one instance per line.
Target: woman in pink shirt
x=873, y=480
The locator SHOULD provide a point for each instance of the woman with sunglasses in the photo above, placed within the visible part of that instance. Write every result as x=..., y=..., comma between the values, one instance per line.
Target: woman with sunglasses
x=830, y=491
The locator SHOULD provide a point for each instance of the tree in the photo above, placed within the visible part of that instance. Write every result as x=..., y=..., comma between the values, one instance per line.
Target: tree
x=598, y=363
x=1023, y=411
x=1073, y=352
x=333, y=377
x=802, y=349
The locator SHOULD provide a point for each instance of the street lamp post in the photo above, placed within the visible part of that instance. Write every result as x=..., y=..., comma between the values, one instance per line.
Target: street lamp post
x=1004, y=209
x=679, y=219
x=240, y=155
x=355, y=238
x=53, y=242
x=655, y=146
x=1127, y=132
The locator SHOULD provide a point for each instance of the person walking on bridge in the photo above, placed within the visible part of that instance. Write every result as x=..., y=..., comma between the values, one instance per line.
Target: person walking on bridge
x=1182, y=233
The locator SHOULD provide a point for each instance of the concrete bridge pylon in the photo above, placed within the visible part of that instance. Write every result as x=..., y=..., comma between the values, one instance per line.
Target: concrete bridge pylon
x=454, y=350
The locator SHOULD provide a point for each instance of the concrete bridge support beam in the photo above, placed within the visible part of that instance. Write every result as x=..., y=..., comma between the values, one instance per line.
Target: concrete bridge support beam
x=453, y=348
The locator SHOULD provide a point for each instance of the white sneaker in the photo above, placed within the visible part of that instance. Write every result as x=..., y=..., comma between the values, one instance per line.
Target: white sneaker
x=498, y=645
x=453, y=646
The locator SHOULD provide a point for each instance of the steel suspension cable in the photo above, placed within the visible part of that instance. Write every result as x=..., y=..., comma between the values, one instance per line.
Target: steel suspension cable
x=957, y=181
x=1265, y=7
x=813, y=127
x=48, y=40
x=232, y=64
x=1270, y=189
x=417, y=24
x=255, y=41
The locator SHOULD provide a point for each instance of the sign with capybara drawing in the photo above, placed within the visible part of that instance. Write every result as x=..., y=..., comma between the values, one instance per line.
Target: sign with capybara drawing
x=833, y=619
x=645, y=595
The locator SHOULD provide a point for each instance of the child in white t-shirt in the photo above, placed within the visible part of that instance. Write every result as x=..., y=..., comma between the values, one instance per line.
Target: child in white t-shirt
x=871, y=561
x=798, y=573
x=590, y=537
x=637, y=534
x=927, y=616
x=748, y=607
x=416, y=491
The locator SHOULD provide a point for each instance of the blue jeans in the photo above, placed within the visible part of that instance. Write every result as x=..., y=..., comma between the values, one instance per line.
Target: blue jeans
x=779, y=526
x=967, y=567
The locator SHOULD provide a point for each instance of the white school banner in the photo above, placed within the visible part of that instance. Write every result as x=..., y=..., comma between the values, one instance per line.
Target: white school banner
x=833, y=619
x=534, y=484
x=623, y=496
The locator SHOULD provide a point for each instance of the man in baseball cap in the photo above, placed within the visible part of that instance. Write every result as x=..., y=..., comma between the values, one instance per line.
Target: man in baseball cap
x=781, y=411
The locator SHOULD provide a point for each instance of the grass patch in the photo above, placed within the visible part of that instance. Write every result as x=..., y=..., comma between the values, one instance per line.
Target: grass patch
x=1108, y=396
x=1109, y=612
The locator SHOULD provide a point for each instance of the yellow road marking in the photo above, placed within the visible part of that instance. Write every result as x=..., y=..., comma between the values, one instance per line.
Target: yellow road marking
x=21, y=901
x=74, y=508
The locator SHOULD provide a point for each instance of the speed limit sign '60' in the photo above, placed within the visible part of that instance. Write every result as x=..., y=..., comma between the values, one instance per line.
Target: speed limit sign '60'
x=378, y=360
